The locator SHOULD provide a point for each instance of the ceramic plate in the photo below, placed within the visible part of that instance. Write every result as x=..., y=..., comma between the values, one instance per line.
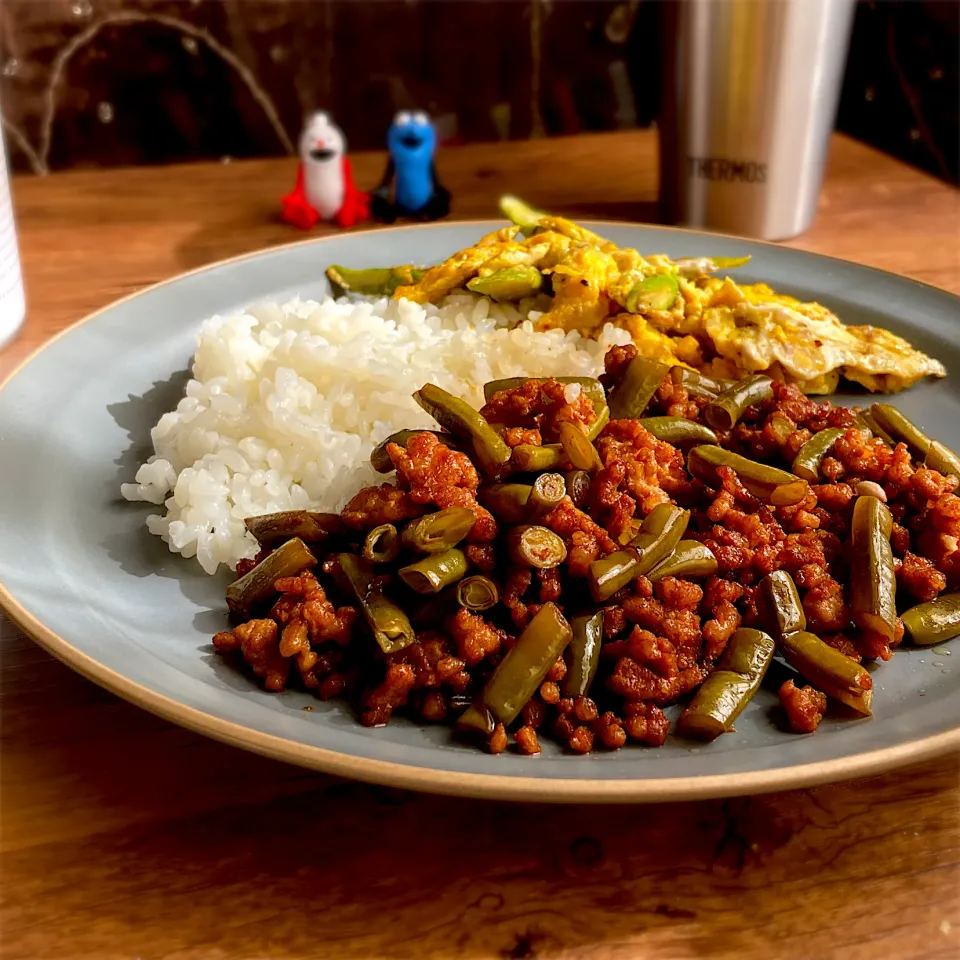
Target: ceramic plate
x=80, y=573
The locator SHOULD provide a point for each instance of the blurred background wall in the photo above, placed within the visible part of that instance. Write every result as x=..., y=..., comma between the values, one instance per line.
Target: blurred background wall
x=115, y=82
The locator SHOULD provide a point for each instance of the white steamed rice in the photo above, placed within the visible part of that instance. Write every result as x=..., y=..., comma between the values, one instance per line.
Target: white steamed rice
x=286, y=403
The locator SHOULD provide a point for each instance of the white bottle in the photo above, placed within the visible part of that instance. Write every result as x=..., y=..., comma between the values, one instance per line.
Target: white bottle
x=12, y=305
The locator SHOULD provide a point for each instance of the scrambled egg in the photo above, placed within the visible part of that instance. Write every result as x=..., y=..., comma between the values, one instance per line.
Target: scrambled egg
x=677, y=311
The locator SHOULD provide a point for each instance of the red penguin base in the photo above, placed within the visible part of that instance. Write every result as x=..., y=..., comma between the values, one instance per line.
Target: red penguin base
x=295, y=209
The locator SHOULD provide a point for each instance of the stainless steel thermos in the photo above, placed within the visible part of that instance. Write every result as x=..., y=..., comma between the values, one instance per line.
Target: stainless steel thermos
x=750, y=97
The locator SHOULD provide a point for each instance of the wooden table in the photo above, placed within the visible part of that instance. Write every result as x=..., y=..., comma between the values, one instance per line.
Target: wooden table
x=126, y=837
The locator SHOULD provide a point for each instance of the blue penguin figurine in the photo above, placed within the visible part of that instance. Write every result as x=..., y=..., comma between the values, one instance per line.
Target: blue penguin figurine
x=417, y=194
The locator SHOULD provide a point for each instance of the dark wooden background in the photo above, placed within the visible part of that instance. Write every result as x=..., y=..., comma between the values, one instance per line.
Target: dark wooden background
x=88, y=83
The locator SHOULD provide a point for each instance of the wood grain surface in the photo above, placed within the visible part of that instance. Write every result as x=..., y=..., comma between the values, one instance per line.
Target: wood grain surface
x=126, y=837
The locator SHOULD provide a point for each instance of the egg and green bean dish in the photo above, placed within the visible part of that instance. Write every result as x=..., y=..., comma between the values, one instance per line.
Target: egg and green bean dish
x=601, y=560
x=683, y=312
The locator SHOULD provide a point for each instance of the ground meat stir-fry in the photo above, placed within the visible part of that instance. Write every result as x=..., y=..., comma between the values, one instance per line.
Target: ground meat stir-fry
x=594, y=623
x=804, y=706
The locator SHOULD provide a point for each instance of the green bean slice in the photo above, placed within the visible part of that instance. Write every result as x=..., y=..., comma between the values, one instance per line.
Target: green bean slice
x=477, y=593
x=873, y=581
x=305, y=525
x=636, y=388
x=935, y=621
x=382, y=544
x=520, y=213
x=256, y=586
x=372, y=281
x=506, y=501
x=900, y=428
x=869, y=422
x=581, y=453
x=528, y=458
x=690, y=559
x=547, y=492
x=535, y=546
x=390, y=625
x=678, y=431
x=521, y=671
x=732, y=685
x=942, y=459
x=578, y=486
x=829, y=670
x=659, y=535
x=462, y=420
x=510, y=283
x=435, y=571
x=724, y=412
x=813, y=452
x=596, y=428
x=769, y=484
x=582, y=655
x=699, y=384
x=656, y=292
x=438, y=532
x=781, y=605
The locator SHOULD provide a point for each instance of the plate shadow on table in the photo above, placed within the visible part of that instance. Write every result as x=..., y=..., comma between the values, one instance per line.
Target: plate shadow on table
x=244, y=856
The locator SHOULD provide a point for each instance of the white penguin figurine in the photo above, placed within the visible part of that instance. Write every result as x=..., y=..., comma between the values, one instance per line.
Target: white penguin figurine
x=324, y=188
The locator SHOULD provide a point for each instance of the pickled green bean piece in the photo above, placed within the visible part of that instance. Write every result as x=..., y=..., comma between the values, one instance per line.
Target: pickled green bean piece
x=934, y=621
x=829, y=670
x=656, y=292
x=477, y=593
x=506, y=501
x=812, y=453
x=310, y=527
x=942, y=459
x=372, y=281
x=520, y=213
x=435, y=571
x=592, y=387
x=390, y=625
x=781, y=607
x=581, y=453
x=463, y=421
x=690, y=559
x=732, y=685
x=873, y=580
x=900, y=428
x=547, y=492
x=678, y=431
x=769, y=484
x=699, y=384
x=438, y=532
x=520, y=672
x=659, y=535
x=527, y=458
x=382, y=544
x=636, y=388
x=868, y=421
x=533, y=546
x=510, y=283
x=288, y=560
x=724, y=412
x=578, y=486
x=603, y=418
x=582, y=655
x=380, y=459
